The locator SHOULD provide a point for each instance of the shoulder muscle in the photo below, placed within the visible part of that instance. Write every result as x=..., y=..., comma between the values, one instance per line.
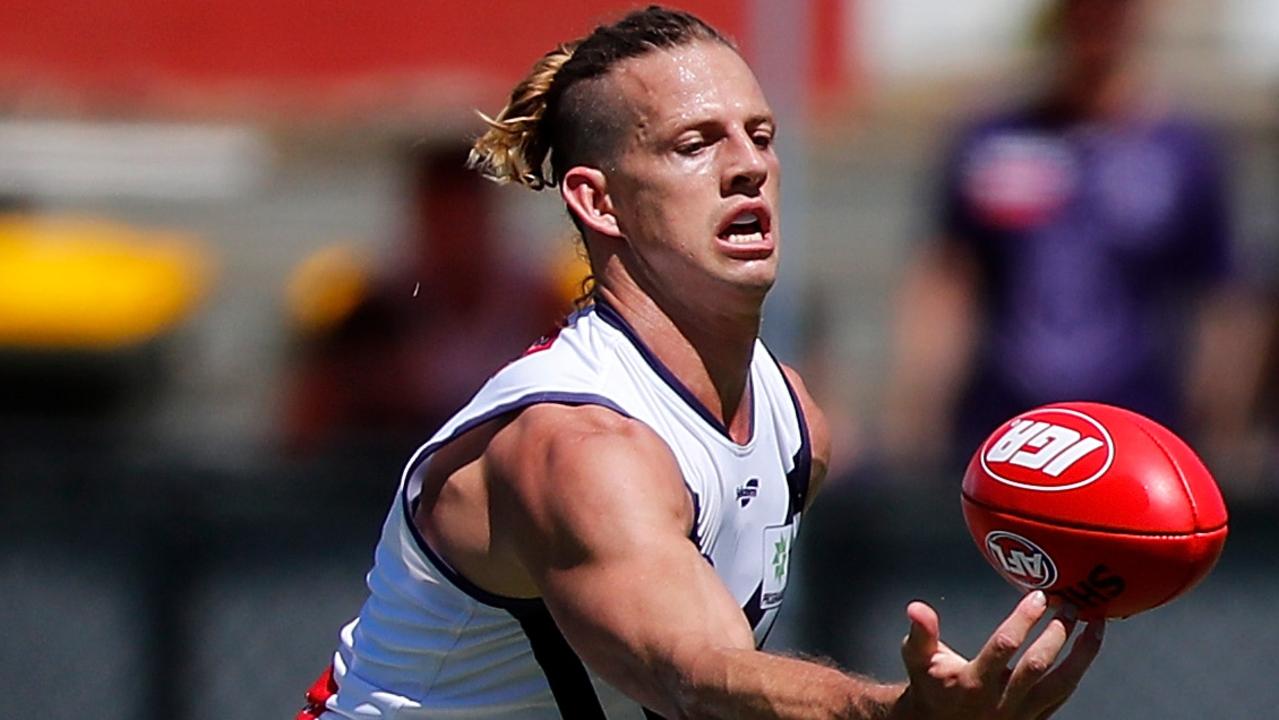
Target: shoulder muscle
x=585, y=476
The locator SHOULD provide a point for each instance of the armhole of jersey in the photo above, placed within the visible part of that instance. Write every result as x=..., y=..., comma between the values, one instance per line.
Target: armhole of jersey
x=801, y=473
x=410, y=487
x=695, y=532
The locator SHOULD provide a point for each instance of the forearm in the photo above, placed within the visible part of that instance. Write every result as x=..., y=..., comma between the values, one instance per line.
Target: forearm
x=934, y=337
x=751, y=684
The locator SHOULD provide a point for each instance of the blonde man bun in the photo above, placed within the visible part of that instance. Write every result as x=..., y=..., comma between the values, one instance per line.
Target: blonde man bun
x=514, y=150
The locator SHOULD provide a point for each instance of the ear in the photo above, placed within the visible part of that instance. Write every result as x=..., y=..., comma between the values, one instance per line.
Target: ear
x=585, y=191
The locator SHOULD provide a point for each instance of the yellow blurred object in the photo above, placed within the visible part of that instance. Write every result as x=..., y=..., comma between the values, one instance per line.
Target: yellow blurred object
x=571, y=273
x=326, y=287
x=91, y=284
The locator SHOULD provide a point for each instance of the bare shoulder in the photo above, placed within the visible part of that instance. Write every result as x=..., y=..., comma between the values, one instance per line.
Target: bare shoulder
x=583, y=472
x=818, y=431
x=566, y=436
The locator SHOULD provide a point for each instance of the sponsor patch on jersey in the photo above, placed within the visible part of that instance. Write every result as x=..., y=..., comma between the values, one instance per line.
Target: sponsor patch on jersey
x=778, y=540
x=1018, y=180
x=1020, y=560
x=747, y=491
x=1049, y=450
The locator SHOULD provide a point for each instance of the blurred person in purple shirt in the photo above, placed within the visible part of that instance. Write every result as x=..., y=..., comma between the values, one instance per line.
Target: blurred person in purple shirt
x=1085, y=254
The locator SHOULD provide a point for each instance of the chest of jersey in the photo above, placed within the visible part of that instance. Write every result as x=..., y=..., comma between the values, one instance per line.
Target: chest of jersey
x=747, y=496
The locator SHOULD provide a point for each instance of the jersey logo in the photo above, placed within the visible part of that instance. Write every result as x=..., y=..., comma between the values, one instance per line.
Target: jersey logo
x=1049, y=450
x=542, y=343
x=778, y=540
x=1020, y=560
x=781, y=558
x=747, y=492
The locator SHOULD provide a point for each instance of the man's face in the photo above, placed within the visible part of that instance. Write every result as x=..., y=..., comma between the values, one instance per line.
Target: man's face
x=1099, y=34
x=695, y=183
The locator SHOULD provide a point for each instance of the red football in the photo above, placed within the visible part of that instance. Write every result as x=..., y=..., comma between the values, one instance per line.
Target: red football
x=1098, y=506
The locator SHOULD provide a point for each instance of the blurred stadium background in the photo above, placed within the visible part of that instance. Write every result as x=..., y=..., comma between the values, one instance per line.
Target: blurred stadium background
x=212, y=210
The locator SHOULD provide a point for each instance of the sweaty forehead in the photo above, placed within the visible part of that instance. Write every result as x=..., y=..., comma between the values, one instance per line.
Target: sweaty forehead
x=689, y=84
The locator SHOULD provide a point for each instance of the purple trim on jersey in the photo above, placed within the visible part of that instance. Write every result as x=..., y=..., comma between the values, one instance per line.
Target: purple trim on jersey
x=611, y=316
x=452, y=575
x=567, y=677
x=694, y=533
x=801, y=471
x=754, y=612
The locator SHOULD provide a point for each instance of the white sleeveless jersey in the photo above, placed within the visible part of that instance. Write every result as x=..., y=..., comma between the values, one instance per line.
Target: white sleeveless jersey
x=430, y=644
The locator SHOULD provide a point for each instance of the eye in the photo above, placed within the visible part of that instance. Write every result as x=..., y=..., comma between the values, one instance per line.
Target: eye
x=690, y=147
x=763, y=139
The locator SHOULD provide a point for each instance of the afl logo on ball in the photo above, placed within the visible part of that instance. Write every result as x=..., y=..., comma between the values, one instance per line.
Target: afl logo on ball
x=1050, y=450
x=1019, y=559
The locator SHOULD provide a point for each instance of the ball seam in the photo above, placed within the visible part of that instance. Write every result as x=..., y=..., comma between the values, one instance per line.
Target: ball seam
x=1181, y=474
x=1075, y=525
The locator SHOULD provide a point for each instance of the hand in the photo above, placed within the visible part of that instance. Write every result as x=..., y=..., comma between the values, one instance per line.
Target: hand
x=944, y=685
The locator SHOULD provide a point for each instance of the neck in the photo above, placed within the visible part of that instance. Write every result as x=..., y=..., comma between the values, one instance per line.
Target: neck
x=709, y=351
x=1102, y=94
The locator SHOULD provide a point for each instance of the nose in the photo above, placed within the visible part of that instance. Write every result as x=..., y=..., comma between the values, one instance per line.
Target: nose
x=747, y=165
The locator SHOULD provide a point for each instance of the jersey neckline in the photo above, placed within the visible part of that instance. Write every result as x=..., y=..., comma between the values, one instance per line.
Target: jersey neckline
x=612, y=317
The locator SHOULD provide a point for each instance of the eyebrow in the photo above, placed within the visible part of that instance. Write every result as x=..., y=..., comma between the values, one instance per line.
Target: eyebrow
x=750, y=122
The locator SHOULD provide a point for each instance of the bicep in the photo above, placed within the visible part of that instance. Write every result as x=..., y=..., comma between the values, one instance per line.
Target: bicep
x=600, y=521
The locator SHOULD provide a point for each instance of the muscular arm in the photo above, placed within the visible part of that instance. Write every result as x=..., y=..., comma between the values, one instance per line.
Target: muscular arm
x=595, y=509
x=598, y=514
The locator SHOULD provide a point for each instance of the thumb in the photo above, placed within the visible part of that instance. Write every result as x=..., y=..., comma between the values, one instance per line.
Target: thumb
x=924, y=638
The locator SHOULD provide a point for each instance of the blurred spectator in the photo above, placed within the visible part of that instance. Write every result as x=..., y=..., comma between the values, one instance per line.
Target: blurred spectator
x=382, y=362
x=1085, y=254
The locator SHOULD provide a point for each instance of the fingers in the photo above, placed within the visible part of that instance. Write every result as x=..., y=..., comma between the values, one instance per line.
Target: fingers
x=1033, y=688
x=999, y=649
x=1039, y=657
x=924, y=638
x=1057, y=686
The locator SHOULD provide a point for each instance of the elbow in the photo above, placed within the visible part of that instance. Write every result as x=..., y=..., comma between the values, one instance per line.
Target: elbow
x=697, y=688
x=682, y=695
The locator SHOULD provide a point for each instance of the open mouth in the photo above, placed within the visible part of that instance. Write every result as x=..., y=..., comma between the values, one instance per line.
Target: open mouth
x=746, y=228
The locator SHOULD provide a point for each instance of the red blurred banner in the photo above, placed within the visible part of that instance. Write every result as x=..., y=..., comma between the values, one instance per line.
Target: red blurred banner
x=176, y=54
x=289, y=57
